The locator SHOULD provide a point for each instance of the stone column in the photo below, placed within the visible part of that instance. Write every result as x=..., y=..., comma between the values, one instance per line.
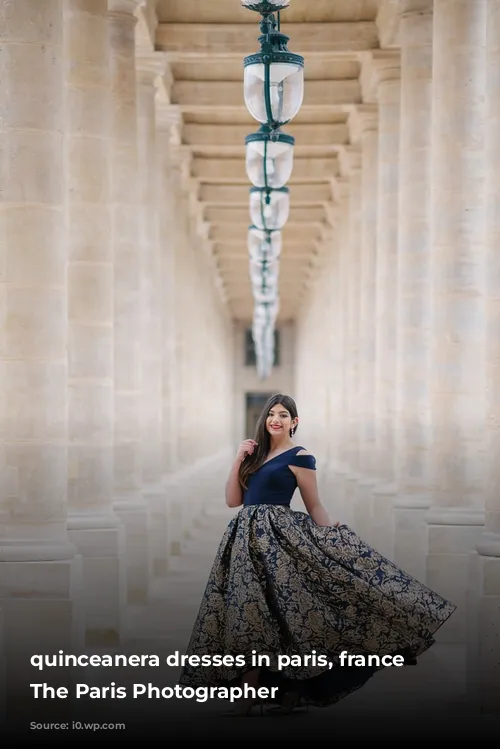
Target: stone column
x=388, y=84
x=458, y=319
x=169, y=192
x=330, y=372
x=36, y=558
x=129, y=502
x=148, y=70
x=341, y=342
x=365, y=131
x=92, y=525
x=340, y=321
x=488, y=563
x=413, y=447
x=353, y=353
x=167, y=121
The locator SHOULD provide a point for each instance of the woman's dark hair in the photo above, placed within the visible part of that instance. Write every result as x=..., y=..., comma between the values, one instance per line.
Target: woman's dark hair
x=262, y=437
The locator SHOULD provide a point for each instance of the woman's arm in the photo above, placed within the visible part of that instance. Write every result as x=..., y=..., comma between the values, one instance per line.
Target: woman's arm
x=234, y=493
x=308, y=487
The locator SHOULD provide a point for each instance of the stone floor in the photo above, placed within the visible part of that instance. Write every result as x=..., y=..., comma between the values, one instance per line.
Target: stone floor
x=428, y=700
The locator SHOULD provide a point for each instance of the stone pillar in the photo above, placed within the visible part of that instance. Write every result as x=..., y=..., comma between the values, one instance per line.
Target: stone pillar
x=36, y=558
x=341, y=352
x=169, y=223
x=148, y=70
x=413, y=448
x=353, y=360
x=488, y=562
x=365, y=131
x=388, y=83
x=129, y=502
x=92, y=525
x=458, y=319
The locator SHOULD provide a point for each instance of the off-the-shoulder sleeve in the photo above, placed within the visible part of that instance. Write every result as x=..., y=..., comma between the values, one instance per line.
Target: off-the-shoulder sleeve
x=303, y=461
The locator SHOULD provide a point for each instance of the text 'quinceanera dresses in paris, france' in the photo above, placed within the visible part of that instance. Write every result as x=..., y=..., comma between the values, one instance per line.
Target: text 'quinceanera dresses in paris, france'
x=280, y=584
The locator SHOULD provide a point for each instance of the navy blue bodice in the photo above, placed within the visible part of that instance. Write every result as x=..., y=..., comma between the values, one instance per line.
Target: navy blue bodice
x=274, y=483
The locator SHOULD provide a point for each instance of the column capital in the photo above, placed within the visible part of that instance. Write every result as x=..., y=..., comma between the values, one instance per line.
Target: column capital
x=150, y=66
x=169, y=119
x=455, y=516
x=331, y=214
x=489, y=545
x=125, y=7
x=362, y=119
x=340, y=188
x=181, y=158
x=409, y=8
x=349, y=158
x=386, y=65
x=381, y=68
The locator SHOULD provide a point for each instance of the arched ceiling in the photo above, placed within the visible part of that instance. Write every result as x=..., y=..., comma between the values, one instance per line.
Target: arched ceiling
x=204, y=43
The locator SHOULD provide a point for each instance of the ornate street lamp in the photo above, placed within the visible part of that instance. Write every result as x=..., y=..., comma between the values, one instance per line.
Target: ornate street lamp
x=269, y=209
x=273, y=81
x=274, y=91
x=269, y=157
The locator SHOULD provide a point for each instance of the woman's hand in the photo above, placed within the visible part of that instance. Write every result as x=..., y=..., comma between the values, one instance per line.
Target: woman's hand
x=247, y=447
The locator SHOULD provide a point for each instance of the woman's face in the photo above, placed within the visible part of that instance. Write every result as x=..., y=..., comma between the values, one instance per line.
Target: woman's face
x=279, y=420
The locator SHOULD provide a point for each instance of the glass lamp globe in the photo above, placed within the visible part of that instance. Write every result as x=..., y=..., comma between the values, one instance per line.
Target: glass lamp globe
x=263, y=276
x=263, y=269
x=274, y=89
x=265, y=6
x=269, y=209
x=266, y=313
x=263, y=369
x=269, y=158
x=273, y=79
x=265, y=296
x=264, y=245
x=266, y=285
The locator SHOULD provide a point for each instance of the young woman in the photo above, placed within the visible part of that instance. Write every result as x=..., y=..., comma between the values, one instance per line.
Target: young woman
x=290, y=583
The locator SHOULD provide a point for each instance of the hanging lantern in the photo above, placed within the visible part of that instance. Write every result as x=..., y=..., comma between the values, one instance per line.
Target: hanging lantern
x=264, y=245
x=269, y=209
x=269, y=157
x=266, y=312
x=266, y=296
x=273, y=81
x=265, y=289
x=264, y=7
x=264, y=270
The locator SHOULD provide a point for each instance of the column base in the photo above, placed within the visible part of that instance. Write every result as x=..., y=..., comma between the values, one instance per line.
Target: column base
x=100, y=541
x=410, y=533
x=363, y=508
x=382, y=511
x=24, y=550
x=484, y=628
x=453, y=533
x=39, y=603
x=134, y=515
x=156, y=500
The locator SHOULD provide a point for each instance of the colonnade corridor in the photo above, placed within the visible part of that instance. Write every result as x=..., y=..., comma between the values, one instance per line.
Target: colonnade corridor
x=126, y=373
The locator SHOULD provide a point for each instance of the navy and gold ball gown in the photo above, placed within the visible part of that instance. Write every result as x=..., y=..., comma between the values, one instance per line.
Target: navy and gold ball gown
x=280, y=584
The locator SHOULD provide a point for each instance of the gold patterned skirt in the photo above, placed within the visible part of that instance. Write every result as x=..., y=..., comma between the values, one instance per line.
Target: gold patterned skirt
x=281, y=585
